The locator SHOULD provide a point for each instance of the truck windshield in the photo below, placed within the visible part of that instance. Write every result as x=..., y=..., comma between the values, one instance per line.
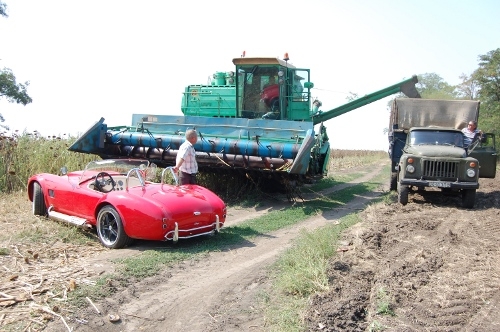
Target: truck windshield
x=426, y=137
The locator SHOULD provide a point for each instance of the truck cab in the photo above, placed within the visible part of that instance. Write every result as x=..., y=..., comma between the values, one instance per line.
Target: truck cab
x=436, y=157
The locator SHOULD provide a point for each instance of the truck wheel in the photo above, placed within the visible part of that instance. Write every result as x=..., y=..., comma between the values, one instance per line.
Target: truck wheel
x=394, y=181
x=468, y=198
x=403, y=194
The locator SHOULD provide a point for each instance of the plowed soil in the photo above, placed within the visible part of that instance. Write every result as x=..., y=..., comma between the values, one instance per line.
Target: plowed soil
x=436, y=265
x=427, y=266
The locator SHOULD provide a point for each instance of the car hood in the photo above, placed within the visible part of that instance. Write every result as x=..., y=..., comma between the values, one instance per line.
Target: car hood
x=437, y=151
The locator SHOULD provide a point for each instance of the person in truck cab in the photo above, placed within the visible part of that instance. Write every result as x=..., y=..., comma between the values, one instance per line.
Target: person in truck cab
x=470, y=132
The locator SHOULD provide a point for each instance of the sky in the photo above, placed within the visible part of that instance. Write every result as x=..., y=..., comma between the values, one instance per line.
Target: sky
x=113, y=58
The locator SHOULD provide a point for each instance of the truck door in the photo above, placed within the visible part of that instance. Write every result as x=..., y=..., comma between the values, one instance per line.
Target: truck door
x=486, y=154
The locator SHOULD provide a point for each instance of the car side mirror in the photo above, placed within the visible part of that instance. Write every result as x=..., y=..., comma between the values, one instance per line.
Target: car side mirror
x=64, y=170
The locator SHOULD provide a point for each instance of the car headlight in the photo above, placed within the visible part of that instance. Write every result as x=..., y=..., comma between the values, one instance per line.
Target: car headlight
x=410, y=168
x=471, y=173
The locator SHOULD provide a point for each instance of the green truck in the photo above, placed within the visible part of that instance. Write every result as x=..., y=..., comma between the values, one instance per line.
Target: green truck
x=427, y=149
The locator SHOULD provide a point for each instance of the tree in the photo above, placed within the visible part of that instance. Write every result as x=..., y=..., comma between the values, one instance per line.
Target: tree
x=432, y=86
x=488, y=78
x=13, y=91
x=468, y=89
x=9, y=88
x=3, y=9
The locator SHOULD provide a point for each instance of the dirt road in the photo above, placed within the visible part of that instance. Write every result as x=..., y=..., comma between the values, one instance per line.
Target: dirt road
x=217, y=293
x=427, y=266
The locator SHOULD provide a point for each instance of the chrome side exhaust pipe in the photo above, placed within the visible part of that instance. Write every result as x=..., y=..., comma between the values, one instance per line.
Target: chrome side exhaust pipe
x=67, y=218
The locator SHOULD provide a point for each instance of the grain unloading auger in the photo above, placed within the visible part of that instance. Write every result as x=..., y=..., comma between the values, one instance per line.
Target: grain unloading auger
x=259, y=118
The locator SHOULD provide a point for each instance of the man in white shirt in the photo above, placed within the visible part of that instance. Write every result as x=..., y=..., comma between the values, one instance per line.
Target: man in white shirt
x=470, y=132
x=185, y=162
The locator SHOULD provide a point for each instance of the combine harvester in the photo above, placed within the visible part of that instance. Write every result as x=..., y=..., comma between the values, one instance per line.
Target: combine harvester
x=259, y=120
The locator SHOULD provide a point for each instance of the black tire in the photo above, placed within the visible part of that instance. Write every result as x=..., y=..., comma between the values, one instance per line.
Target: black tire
x=468, y=198
x=39, y=207
x=394, y=181
x=403, y=192
x=110, y=229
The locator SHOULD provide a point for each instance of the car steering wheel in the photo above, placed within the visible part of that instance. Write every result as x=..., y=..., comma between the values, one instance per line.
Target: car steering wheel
x=102, y=180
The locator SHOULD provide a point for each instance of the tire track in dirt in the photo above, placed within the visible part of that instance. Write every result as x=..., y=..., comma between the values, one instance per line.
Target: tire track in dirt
x=449, y=300
x=437, y=263
x=218, y=292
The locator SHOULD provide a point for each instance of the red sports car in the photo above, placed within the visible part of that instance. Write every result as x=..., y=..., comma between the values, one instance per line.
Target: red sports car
x=118, y=197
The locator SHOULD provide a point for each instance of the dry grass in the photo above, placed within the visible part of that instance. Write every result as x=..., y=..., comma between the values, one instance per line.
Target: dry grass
x=26, y=154
x=41, y=261
x=348, y=159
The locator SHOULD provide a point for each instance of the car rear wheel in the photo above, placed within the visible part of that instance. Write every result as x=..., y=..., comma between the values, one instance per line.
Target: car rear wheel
x=110, y=229
x=39, y=207
x=468, y=198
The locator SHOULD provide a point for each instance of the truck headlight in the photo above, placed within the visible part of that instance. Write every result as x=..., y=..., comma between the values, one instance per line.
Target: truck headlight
x=471, y=173
x=410, y=168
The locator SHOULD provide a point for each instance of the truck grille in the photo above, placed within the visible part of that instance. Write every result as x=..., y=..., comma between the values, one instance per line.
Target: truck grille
x=440, y=169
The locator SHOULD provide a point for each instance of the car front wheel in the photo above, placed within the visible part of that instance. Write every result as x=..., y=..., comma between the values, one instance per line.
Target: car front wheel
x=39, y=207
x=110, y=229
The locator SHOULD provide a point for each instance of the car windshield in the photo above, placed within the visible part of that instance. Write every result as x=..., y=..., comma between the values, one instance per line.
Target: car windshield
x=120, y=166
x=426, y=137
